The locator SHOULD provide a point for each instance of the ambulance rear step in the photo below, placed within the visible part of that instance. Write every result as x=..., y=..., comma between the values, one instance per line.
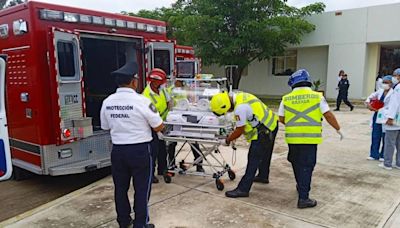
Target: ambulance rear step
x=79, y=167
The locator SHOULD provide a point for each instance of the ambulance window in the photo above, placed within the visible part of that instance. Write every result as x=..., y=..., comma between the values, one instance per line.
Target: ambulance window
x=162, y=60
x=66, y=59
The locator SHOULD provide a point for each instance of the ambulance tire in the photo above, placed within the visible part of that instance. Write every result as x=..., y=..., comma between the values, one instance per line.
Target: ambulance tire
x=20, y=174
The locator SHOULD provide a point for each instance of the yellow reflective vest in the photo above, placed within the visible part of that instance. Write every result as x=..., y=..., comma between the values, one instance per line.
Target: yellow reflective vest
x=263, y=114
x=303, y=117
x=158, y=100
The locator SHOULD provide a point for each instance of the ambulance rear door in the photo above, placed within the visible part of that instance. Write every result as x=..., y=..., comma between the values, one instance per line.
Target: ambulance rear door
x=5, y=155
x=161, y=54
x=66, y=76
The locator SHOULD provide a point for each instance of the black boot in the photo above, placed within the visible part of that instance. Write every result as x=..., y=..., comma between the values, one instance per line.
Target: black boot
x=236, y=193
x=155, y=180
x=306, y=203
x=200, y=169
x=150, y=225
x=261, y=180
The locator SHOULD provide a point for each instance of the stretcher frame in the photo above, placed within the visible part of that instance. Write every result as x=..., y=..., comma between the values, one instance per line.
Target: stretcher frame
x=208, y=149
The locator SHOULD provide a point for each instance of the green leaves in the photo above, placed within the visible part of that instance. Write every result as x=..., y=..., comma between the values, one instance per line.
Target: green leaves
x=237, y=32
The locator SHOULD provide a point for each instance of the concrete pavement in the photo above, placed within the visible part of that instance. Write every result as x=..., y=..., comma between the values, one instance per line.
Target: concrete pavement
x=351, y=192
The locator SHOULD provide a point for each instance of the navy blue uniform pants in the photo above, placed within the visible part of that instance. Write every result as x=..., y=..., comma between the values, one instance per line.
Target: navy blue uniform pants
x=343, y=96
x=172, y=148
x=132, y=162
x=377, y=137
x=259, y=157
x=303, y=158
x=159, y=154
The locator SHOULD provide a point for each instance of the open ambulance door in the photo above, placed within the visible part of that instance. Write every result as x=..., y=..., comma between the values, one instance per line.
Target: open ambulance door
x=161, y=54
x=66, y=78
x=5, y=154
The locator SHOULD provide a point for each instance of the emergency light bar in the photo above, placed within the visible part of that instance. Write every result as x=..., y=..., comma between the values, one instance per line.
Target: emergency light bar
x=71, y=17
x=109, y=22
x=141, y=26
x=85, y=18
x=54, y=15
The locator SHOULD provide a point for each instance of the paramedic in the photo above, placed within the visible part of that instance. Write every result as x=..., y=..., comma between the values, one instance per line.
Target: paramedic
x=156, y=92
x=392, y=135
x=130, y=117
x=301, y=111
x=259, y=126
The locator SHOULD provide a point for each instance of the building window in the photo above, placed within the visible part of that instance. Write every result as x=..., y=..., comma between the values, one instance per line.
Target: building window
x=286, y=64
x=66, y=59
x=389, y=60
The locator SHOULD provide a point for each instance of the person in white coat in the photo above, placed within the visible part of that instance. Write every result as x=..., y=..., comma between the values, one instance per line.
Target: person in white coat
x=378, y=132
x=392, y=137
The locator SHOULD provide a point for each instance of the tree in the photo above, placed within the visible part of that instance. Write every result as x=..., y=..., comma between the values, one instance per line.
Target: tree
x=236, y=32
x=3, y=3
x=15, y=2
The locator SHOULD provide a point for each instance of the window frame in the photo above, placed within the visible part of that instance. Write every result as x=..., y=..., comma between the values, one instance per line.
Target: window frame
x=285, y=57
x=77, y=76
x=169, y=59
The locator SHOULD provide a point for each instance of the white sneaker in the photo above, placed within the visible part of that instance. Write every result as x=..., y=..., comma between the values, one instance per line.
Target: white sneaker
x=397, y=167
x=385, y=167
x=371, y=159
x=381, y=159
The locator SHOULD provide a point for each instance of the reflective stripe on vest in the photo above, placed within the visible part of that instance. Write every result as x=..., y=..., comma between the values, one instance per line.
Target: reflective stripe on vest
x=268, y=118
x=299, y=115
x=303, y=117
x=159, y=101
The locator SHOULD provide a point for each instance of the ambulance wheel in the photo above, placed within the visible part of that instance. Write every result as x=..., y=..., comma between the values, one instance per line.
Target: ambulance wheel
x=219, y=184
x=231, y=175
x=167, y=177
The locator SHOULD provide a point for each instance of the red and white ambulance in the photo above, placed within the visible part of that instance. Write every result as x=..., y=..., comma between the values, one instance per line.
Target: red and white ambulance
x=54, y=75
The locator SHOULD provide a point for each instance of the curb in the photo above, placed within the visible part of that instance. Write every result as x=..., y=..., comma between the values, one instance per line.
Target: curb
x=53, y=203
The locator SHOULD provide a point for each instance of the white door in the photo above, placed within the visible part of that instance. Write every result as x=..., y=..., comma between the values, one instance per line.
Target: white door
x=5, y=155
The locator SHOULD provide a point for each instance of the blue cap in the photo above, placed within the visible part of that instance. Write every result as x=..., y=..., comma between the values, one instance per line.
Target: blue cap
x=396, y=72
x=387, y=78
x=301, y=75
x=129, y=70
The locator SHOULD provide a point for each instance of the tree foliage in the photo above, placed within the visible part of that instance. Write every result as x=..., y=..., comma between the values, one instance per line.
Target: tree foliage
x=15, y=2
x=3, y=3
x=236, y=32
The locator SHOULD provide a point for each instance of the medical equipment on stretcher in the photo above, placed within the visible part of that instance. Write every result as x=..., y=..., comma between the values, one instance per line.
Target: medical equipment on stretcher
x=190, y=122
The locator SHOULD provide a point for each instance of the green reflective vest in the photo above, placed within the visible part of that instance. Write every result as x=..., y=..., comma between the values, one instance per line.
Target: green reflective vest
x=303, y=117
x=263, y=114
x=158, y=100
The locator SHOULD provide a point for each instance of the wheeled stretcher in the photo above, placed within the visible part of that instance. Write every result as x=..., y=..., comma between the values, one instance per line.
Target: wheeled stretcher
x=210, y=156
x=190, y=122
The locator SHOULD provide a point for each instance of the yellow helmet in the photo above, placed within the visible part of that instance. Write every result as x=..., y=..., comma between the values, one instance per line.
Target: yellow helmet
x=220, y=103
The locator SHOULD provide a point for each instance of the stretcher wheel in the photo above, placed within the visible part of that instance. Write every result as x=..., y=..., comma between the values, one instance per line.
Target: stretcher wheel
x=182, y=165
x=167, y=178
x=231, y=174
x=219, y=184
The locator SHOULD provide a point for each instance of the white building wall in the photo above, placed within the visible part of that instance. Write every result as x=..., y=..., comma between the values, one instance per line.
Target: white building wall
x=382, y=24
x=260, y=81
x=350, y=58
x=349, y=40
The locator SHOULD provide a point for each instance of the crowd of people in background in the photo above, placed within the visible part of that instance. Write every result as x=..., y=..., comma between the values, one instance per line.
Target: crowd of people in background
x=385, y=122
